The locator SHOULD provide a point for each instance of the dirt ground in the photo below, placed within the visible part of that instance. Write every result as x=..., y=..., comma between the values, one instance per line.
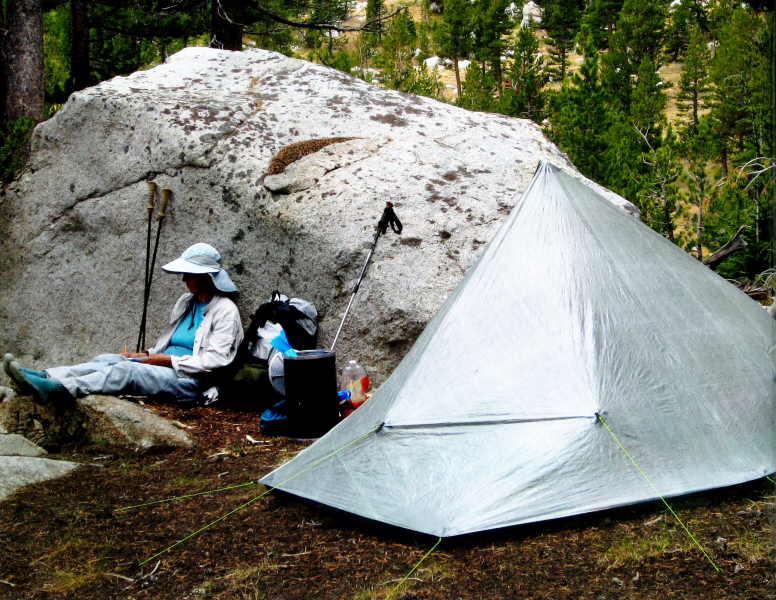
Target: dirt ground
x=67, y=538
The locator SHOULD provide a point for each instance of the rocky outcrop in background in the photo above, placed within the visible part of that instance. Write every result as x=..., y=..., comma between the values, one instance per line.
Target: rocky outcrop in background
x=206, y=124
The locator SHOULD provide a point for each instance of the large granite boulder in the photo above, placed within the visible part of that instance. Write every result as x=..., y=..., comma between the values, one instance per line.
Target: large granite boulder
x=206, y=124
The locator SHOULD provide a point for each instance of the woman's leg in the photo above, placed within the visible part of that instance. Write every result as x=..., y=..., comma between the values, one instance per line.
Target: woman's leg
x=128, y=377
x=96, y=364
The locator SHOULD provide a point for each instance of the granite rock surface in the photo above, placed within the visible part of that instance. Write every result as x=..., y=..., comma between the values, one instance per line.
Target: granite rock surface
x=206, y=124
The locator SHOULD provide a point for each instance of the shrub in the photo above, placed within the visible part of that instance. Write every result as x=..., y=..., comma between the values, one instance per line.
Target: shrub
x=14, y=148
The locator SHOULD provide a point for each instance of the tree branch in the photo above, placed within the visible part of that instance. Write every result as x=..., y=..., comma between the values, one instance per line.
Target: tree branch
x=735, y=243
x=321, y=25
x=760, y=167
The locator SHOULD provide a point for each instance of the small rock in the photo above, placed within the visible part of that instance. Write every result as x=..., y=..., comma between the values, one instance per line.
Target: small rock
x=13, y=444
x=115, y=421
x=19, y=471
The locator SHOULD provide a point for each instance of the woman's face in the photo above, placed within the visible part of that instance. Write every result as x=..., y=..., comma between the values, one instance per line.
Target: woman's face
x=195, y=283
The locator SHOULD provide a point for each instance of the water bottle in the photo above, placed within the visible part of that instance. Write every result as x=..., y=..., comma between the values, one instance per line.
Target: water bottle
x=354, y=378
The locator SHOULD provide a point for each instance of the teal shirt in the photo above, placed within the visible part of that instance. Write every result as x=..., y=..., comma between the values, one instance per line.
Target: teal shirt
x=182, y=341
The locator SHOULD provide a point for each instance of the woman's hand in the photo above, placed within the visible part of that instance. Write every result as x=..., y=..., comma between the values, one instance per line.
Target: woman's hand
x=158, y=360
x=126, y=354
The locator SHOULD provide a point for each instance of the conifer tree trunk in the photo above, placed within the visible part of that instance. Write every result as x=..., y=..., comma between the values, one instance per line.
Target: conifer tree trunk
x=563, y=65
x=700, y=228
x=223, y=33
x=457, y=76
x=22, y=51
x=80, y=67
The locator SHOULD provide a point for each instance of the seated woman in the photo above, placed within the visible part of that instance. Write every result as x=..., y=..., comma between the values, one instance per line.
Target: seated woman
x=202, y=338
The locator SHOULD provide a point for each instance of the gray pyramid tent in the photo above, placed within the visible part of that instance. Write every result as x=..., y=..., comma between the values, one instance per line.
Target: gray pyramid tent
x=574, y=309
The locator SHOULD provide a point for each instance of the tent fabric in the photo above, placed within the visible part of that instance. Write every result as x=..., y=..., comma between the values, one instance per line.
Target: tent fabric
x=574, y=309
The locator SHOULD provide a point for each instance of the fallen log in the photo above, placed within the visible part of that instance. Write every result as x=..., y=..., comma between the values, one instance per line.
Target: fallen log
x=734, y=243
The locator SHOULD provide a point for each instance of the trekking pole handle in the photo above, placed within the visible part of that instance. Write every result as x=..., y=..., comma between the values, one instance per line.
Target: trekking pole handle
x=389, y=218
x=166, y=192
x=151, y=194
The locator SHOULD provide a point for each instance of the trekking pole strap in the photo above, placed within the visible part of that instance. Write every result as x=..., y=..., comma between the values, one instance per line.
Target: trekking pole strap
x=389, y=218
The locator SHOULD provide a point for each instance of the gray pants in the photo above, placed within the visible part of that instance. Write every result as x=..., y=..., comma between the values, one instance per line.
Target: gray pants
x=114, y=374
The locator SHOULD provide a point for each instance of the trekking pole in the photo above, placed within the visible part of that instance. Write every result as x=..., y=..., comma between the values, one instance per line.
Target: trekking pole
x=150, y=208
x=161, y=216
x=389, y=218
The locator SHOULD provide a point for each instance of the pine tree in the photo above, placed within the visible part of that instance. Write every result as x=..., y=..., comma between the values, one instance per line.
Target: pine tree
x=492, y=23
x=649, y=102
x=453, y=37
x=693, y=84
x=374, y=10
x=523, y=96
x=700, y=191
x=640, y=33
x=22, y=73
x=740, y=99
x=659, y=193
x=681, y=22
x=478, y=90
x=600, y=19
x=398, y=52
x=561, y=20
x=578, y=116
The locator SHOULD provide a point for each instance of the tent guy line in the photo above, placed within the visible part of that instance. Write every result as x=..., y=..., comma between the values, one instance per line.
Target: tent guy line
x=687, y=531
x=223, y=489
x=264, y=493
x=417, y=564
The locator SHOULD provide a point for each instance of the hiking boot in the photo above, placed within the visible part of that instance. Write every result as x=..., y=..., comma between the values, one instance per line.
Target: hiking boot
x=15, y=374
x=46, y=391
x=8, y=359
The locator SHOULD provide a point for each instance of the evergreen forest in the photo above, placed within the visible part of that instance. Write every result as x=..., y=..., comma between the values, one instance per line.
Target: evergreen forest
x=694, y=151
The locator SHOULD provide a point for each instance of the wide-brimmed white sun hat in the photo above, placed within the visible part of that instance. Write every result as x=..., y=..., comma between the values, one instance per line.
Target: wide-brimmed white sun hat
x=200, y=259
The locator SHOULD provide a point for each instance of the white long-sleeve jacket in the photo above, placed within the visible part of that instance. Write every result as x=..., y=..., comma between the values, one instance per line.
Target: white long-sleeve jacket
x=216, y=341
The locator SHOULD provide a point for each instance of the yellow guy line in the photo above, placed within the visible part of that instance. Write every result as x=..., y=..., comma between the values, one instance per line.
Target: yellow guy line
x=231, y=487
x=252, y=500
x=425, y=556
x=658, y=494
